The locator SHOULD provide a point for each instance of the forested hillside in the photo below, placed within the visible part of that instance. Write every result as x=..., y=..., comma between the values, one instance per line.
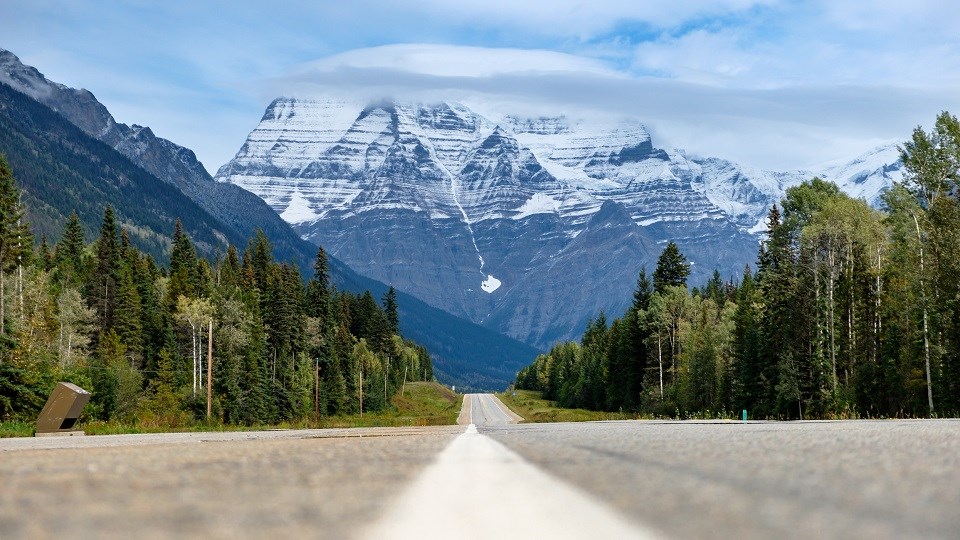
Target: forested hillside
x=851, y=312
x=107, y=317
x=60, y=169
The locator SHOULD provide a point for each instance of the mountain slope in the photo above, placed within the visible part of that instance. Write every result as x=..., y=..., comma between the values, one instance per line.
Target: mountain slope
x=239, y=212
x=500, y=220
x=62, y=169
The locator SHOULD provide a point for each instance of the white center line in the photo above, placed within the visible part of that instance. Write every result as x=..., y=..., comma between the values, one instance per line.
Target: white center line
x=478, y=488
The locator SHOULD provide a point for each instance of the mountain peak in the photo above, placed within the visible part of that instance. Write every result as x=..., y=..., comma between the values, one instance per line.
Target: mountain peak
x=519, y=198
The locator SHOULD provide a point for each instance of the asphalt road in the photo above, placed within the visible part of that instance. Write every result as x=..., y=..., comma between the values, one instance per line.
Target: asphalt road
x=874, y=479
x=484, y=410
x=273, y=484
x=847, y=479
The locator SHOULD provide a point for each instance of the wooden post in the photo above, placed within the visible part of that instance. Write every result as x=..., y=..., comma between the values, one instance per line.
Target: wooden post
x=210, y=370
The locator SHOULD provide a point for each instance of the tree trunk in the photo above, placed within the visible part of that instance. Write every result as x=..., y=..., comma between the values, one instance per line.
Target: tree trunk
x=876, y=313
x=316, y=393
x=926, y=338
x=660, y=360
x=20, y=287
x=209, y=370
x=833, y=343
x=3, y=326
x=60, y=348
x=193, y=351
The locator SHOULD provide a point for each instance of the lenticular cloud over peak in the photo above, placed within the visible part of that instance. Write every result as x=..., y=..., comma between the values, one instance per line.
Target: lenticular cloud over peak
x=457, y=61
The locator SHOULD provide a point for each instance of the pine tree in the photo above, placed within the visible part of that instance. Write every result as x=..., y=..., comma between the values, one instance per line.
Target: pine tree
x=128, y=315
x=261, y=258
x=69, y=252
x=14, y=234
x=636, y=351
x=672, y=269
x=183, y=265
x=746, y=347
x=44, y=255
x=103, y=284
x=777, y=285
x=390, y=307
x=320, y=287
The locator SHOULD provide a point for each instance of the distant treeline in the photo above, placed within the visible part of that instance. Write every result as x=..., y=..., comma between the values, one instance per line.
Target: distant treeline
x=106, y=317
x=851, y=312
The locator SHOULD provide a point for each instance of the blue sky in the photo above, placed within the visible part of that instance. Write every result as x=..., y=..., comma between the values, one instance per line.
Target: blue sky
x=769, y=83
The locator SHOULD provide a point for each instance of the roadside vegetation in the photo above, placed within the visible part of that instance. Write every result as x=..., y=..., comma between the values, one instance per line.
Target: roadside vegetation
x=534, y=408
x=421, y=404
x=139, y=335
x=851, y=312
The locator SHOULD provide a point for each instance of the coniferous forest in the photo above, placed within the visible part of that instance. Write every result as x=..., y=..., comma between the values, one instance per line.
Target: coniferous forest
x=108, y=318
x=851, y=312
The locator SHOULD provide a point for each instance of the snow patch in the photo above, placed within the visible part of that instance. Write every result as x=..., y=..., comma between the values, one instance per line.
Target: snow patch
x=490, y=284
x=540, y=203
x=298, y=209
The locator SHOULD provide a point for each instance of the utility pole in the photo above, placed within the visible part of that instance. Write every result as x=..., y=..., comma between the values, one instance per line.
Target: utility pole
x=210, y=370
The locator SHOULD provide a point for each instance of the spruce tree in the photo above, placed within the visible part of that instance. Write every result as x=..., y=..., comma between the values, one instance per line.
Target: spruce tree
x=746, y=347
x=103, y=284
x=776, y=277
x=128, y=315
x=14, y=234
x=672, y=269
x=390, y=307
x=69, y=252
x=44, y=255
x=183, y=265
x=636, y=336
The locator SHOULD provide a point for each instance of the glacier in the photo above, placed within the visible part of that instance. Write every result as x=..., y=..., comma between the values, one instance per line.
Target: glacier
x=564, y=211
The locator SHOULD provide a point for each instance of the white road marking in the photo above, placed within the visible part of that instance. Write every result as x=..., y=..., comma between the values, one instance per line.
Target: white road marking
x=479, y=488
x=512, y=417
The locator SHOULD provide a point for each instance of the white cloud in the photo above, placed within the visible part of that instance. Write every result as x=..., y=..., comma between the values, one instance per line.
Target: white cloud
x=783, y=127
x=457, y=61
x=768, y=82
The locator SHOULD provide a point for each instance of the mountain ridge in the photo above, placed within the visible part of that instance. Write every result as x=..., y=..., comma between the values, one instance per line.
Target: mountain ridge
x=467, y=354
x=457, y=201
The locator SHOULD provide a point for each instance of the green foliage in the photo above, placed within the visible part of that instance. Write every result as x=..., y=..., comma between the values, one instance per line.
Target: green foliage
x=62, y=170
x=672, y=269
x=107, y=316
x=851, y=312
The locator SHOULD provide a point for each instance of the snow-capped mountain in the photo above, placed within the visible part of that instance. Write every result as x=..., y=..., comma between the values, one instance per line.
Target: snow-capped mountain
x=464, y=353
x=527, y=225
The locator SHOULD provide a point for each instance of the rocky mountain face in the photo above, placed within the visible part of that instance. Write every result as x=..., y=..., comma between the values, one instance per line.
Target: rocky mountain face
x=70, y=154
x=526, y=225
x=236, y=208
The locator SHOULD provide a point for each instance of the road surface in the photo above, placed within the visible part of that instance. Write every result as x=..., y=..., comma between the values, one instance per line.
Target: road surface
x=484, y=410
x=494, y=478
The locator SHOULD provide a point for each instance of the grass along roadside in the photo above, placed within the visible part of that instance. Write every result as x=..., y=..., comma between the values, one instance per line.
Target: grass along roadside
x=421, y=404
x=533, y=408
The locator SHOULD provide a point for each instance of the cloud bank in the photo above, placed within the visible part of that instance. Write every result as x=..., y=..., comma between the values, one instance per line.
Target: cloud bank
x=777, y=127
x=772, y=83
